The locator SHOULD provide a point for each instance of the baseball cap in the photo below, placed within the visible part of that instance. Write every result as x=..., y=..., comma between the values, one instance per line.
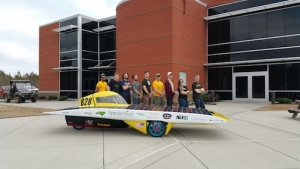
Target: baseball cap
x=169, y=73
x=103, y=74
x=157, y=74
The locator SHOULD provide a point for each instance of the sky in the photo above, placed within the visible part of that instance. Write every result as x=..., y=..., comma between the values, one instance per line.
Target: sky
x=20, y=22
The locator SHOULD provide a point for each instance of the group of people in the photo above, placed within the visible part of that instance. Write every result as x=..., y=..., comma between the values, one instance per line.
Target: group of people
x=152, y=93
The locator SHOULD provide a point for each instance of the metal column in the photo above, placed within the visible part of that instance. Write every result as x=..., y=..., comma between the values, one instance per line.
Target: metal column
x=79, y=71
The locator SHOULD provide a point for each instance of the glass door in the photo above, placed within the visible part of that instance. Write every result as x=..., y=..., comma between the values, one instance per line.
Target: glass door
x=250, y=86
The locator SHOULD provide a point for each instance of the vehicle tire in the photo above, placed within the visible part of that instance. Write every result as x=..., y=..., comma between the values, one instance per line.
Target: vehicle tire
x=17, y=99
x=33, y=99
x=6, y=99
x=156, y=128
x=78, y=127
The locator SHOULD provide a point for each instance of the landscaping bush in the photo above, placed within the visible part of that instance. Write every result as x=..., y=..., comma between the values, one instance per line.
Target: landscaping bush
x=62, y=98
x=284, y=100
x=42, y=97
x=52, y=97
x=205, y=98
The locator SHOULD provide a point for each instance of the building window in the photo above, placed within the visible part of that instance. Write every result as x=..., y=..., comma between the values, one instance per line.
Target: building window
x=89, y=41
x=68, y=41
x=182, y=75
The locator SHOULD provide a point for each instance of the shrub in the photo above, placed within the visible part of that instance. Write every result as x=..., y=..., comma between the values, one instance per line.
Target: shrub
x=284, y=100
x=205, y=98
x=42, y=97
x=62, y=98
x=52, y=97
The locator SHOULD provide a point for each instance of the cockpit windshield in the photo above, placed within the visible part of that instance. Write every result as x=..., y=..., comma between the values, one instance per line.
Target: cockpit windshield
x=117, y=99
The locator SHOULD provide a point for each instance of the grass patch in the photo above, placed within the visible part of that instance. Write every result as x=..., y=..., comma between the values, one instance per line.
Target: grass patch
x=276, y=107
x=9, y=111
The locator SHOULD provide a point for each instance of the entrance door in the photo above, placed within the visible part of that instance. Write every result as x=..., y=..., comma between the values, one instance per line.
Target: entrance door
x=250, y=86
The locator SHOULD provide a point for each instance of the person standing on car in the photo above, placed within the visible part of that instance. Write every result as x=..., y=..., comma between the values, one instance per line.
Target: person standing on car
x=197, y=90
x=125, y=89
x=115, y=84
x=183, y=94
x=170, y=93
x=102, y=85
x=158, y=88
x=136, y=90
x=146, y=86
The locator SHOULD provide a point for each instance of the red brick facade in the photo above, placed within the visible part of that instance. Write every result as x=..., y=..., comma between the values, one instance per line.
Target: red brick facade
x=158, y=36
x=48, y=58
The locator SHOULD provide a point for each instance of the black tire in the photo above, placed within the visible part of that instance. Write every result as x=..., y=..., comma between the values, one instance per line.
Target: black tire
x=78, y=127
x=156, y=128
x=33, y=99
x=17, y=99
x=6, y=99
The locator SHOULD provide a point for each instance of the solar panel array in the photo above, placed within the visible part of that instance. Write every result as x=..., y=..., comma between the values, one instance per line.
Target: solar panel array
x=169, y=109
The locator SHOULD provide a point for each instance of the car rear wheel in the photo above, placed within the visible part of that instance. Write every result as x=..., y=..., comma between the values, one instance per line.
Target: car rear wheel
x=156, y=128
x=6, y=99
x=78, y=127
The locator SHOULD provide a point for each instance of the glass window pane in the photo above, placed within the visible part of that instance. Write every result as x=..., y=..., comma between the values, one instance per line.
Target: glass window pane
x=241, y=87
x=258, y=87
x=89, y=41
x=68, y=80
x=68, y=55
x=293, y=76
x=277, y=77
x=258, y=26
x=88, y=24
x=68, y=41
x=108, y=41
x=276, y=23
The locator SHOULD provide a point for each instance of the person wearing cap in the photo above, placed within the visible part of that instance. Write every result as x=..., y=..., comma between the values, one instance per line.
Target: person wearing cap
x=146, y=86
x=115, y=84
x=183, y=93
x=158, y=88
x=102, y=84
x=169, y=87
x=126, y=86
x=197, y=90
x=136, y=90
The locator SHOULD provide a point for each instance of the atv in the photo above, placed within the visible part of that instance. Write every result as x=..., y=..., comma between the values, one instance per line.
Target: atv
x=20, y=91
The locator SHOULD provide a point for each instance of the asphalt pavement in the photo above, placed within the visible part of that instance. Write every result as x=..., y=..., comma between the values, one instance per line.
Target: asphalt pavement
x=251, y=139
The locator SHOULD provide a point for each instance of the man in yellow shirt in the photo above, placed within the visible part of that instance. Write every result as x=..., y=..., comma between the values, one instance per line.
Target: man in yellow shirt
x=102, y=84
x=158, y=88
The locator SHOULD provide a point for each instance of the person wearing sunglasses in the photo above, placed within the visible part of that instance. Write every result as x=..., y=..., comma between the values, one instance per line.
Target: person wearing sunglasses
x=183, y=94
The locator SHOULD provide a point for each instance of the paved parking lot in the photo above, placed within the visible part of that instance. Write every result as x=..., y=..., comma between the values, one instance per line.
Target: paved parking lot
x=249, y=140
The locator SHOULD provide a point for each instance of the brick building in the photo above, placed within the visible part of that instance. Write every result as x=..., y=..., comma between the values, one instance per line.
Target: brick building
x=241, y=49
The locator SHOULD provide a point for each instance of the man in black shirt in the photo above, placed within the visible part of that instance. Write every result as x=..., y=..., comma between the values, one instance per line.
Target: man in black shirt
x=197, y=90
x=115, y=85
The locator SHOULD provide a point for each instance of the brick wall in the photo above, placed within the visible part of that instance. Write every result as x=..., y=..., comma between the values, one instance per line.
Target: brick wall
x=48, y=58
x=157, y=36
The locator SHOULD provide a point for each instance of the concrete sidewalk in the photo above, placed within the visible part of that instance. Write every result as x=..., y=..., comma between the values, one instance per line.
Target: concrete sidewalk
x=250, y=139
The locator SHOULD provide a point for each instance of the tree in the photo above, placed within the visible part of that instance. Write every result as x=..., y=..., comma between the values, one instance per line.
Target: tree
x=5, y=78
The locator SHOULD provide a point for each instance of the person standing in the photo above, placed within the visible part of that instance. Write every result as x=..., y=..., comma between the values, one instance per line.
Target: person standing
x=126, y=86
x=158, y=88
x=170, y=93
x=136, y=90
x=102, y=84
x=146, y=86
x=115, y=84
x=197, y=90
x=183, y=94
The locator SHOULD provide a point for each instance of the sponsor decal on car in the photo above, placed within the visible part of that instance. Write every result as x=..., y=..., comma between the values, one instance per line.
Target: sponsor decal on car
x=216, y=120
x=154, y=114
x=198, y=119
x=89, y=122
x=167, y=116
x=151, y=117
x=120, y=114
x=76, y=113
x=65, y=112
x=182, y=117
x=139, y=125
x=102, y=113
x=103, y=124
x=88, y=113
x=141, y=114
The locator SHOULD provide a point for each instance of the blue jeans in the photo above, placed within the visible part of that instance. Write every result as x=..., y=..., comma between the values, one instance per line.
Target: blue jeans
x=169, y=101
x=199, y=103
x=136, y=100
x=183, y=103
